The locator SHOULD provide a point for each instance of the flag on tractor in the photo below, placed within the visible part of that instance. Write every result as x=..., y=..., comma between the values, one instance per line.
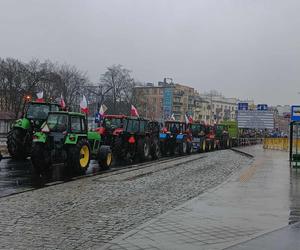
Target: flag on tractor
x=84, y=105
x=134, y=111
x=102, y=109
x=62, y=102
x=40, y=96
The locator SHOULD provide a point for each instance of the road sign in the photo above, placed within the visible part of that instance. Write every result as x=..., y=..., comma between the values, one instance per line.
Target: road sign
x=262, y=107
x=243, y=106
x=255, y=119
x=295, y=113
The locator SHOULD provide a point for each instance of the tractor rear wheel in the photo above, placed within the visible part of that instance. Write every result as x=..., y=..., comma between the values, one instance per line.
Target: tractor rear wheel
x=143, y=149
x=118, y=149
x=105, y=157
x=18, y=143
x=79, y=157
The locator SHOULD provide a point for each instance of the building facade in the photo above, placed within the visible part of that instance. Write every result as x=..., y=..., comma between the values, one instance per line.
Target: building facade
x=162, y=101
x=215, y=108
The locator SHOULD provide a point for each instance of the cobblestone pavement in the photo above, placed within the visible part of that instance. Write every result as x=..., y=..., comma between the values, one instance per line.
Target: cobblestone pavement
x=89, y=212
x=255, y=200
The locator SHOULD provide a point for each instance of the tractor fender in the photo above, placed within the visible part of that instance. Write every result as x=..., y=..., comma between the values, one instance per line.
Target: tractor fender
x=162, y=136
x=72, y=139
x=180, y=137
x=23, y=123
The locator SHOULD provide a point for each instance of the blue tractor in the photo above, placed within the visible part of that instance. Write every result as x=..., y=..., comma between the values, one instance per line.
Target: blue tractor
x=174, y=138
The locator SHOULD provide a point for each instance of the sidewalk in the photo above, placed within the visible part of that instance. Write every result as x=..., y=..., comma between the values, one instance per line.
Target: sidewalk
x=253, y=202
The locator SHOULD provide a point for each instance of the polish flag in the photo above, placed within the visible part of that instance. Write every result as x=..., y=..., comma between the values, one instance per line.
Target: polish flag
x=188, y=118
x=62, y=102
x=40, y=96
x=134, y=111
x=84, y=105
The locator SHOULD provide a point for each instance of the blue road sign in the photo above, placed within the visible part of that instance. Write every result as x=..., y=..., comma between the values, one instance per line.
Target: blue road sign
x=243, y=106
x=262, y=107
x=295, y=113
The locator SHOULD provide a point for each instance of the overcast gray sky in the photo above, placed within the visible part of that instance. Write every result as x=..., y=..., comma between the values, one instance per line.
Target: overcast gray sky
x=243, y=48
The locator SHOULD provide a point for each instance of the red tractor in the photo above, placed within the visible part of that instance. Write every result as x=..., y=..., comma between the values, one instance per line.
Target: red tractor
x=111, y=127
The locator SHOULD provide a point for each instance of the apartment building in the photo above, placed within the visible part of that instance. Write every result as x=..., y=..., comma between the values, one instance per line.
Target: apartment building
x=215, y=108
x=162, y=101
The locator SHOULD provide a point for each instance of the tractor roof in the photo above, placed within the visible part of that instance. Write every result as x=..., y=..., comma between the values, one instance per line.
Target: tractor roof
x=115, y=116
x=67, y=113
x=177, y=122
x=43, y=103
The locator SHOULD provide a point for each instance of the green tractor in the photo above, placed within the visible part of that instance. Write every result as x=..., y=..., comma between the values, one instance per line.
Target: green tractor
x=233, y=131
x=64, y=139
x=19, y=138
x=222, y=136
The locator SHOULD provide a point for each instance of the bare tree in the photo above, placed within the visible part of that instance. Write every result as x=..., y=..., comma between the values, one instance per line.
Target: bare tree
x=118, y=84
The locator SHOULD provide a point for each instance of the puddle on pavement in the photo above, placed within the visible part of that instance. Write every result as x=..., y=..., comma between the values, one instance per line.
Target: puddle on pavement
x=16, y=176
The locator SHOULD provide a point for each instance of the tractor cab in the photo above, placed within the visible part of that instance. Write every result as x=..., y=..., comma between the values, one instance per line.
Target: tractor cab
x=64, y=138
x=197, y=129
x=175, y=138
x=138, y=140
x=19, y=138
x=175, y=127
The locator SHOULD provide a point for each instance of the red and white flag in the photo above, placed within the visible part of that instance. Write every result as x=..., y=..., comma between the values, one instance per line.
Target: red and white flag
x=134, y=111
x=62, y=102
x=84, y=105
x=188, y=118
x=40, y=96
x=102, y=109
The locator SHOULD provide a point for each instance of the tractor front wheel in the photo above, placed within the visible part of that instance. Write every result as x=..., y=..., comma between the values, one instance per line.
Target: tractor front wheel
x=183, y=147
x=143, y=149
x=105, y=157
x=155, y=150
x=79, y=157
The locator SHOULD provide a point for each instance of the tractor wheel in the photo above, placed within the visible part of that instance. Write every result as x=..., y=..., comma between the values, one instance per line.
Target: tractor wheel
x=155, y=150
x=41, y=164
x=105, y=157
x=143, y=149
x=189, y=148
x=182, y=147
x=118, y=149
x=227, y=145
x=79, y=157
x=18, y=144
x=163, y=149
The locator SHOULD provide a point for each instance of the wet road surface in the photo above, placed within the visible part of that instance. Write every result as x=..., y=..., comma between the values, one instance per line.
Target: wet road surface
x=16, y=176
x=261, y=198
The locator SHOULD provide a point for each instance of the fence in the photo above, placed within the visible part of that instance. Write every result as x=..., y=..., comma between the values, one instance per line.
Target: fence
x=278, y=143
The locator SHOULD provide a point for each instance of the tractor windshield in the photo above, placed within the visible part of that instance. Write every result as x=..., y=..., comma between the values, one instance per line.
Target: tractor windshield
x=37, y=111
x=132, y=126
x=112, y=123
x=197, y=128
x=57, y=122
